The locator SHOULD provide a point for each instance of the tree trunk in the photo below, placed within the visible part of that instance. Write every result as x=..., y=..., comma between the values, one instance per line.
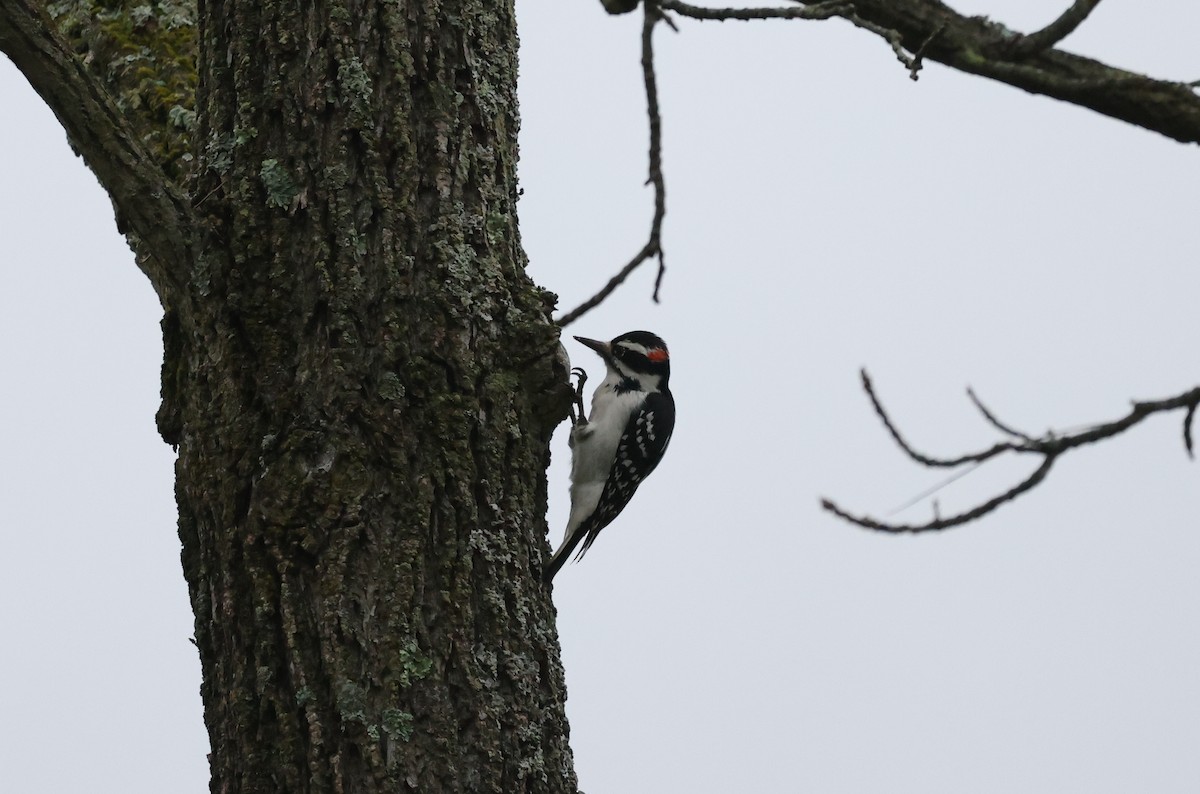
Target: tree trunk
x=366, y=384
x=359, y=376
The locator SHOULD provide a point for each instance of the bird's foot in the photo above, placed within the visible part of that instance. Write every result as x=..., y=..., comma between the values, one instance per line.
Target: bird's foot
x=578, y=417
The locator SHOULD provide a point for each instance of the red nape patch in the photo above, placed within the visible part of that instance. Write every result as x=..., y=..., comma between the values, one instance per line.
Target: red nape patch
x=657, y=354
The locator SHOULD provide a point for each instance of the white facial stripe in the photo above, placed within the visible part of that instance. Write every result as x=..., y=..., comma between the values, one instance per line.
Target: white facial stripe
x=634, y=346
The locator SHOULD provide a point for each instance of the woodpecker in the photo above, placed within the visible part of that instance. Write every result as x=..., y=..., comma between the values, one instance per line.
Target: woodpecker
x=613, y=450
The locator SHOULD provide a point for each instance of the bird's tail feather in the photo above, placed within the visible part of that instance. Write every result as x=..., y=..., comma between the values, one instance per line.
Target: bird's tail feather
x=560, y=557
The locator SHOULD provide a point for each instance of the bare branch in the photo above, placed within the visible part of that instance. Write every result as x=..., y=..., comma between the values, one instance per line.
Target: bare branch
x=937, y=523
x=653, y=247
x=918, y=59
x=1187, y=430
x=818, y=11
x=148, y=203
x=992, y=420
x=926, y=460
x=1138, y=412
x=1050, y=447
x=651, y=18
x=814, y=10
x=978, y=46
x=930, y=29
x=653, y=14
x=892, y=37
x=1055, y=32
x=648, y=250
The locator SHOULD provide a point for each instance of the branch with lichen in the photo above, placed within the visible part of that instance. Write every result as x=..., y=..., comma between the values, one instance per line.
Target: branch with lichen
x=144, y=54
x=149, y=204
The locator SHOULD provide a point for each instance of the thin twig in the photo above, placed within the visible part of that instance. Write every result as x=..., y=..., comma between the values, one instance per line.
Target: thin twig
x=992, y=420
x=812, y=10
x=649, y=20
x=647, y=251
x=1056, y=31
x=974, y=513
x=923, y=459
x=1050, y=447
x=918, y=59
x=653, y=14
x=653, y=246
x=892, y=37
x=1187, y=430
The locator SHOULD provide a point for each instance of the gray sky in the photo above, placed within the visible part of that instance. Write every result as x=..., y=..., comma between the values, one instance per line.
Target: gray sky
x=824, y=213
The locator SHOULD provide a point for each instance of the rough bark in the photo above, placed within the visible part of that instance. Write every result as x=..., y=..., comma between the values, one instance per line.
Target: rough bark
x=366, y=384
x=360, y=379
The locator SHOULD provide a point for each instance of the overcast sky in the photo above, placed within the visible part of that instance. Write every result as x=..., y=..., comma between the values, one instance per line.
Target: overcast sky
x=824, y=213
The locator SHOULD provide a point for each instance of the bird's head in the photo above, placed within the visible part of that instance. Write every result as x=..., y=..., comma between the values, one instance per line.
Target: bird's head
x=637, y=354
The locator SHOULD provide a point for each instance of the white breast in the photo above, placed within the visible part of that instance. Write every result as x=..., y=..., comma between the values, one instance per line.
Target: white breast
x=594, y=446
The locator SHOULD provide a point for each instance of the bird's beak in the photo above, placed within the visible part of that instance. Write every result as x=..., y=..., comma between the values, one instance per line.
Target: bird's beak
x=603, y=348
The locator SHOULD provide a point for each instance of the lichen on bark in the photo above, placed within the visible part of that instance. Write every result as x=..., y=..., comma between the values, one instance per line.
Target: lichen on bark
x=144, y=53
x=361, y=381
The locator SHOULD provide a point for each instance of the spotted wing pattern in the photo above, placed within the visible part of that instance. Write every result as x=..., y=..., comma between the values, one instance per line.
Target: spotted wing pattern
x=641, y=448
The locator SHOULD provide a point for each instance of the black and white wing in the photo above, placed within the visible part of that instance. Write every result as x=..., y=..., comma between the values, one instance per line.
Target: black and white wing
x=639, y=451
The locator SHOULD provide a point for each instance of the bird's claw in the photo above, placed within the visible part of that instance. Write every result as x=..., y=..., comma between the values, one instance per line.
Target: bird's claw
x=577, y=415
